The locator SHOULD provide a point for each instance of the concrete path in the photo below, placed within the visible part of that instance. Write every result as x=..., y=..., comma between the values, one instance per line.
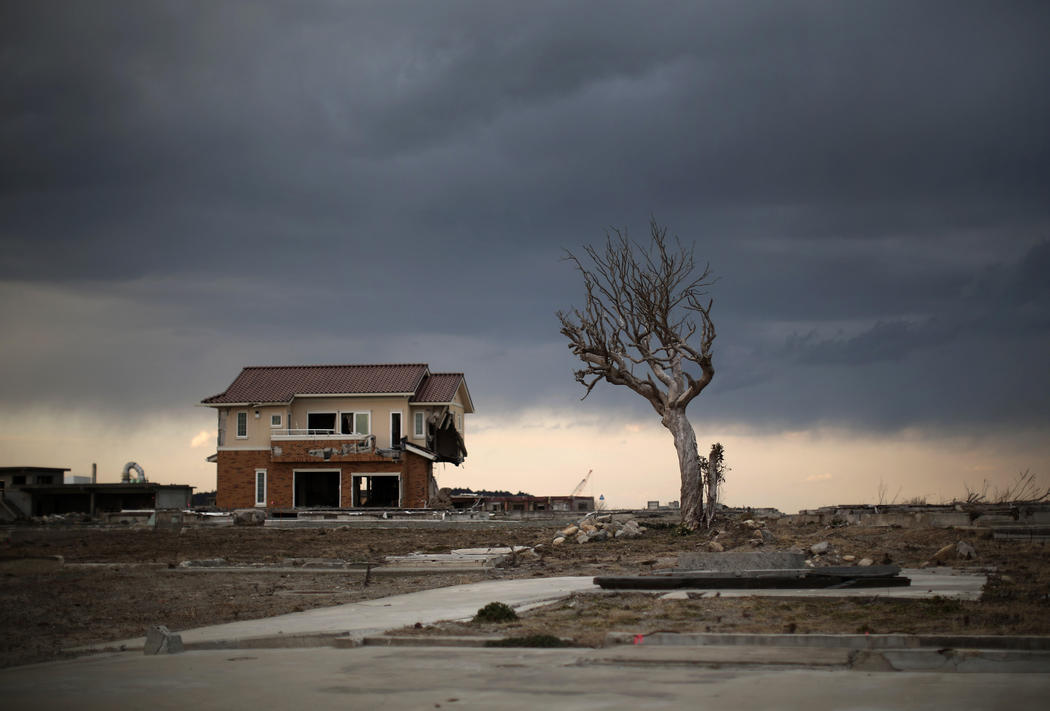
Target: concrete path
x=359, y=619
x=446, y=678
x=372, y=616
x=754, y=674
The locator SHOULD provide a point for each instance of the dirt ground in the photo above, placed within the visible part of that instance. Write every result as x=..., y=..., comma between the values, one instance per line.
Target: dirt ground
x=114, y=582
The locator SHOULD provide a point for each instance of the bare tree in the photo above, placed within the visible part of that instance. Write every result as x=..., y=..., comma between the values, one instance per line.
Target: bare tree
x=647, y=327
x=713, y=473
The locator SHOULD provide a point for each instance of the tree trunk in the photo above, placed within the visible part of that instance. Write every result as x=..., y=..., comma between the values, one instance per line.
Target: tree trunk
x=689, y=466
x=714, y=468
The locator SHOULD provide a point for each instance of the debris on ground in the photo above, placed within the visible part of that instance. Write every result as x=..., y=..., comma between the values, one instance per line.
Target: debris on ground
x=161, y=640
x=598, y=528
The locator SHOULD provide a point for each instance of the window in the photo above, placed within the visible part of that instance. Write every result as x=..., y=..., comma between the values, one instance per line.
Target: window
x=242, y=425
x=395, y=429
x=419, y=421
x=459, y=423
x=18, y=480
x=260, y=487
x=275, y=420
x=320, y=422
x=355, y=422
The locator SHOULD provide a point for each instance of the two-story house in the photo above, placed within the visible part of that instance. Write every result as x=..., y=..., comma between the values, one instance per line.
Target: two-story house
x=339, y=436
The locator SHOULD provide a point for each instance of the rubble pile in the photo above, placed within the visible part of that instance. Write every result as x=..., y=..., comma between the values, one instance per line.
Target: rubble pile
x=598, y=528
x=733, y=534
x=62, y=518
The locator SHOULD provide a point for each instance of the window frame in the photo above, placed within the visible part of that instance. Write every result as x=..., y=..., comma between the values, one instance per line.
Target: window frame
x=237, y=422
x=335, y=422
x=261, y=473
x=400, y=427
x=354, y=414
x=276, y=420
x=419, y=425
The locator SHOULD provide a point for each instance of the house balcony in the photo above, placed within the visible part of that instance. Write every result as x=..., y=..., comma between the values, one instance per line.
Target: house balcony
x=278, y=435
x=313, y=445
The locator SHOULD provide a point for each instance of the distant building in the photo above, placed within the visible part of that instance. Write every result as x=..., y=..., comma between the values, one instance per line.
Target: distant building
x=506, y=502
x=40, y=491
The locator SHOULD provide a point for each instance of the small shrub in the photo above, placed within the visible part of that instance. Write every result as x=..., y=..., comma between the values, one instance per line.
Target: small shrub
x=496, y=612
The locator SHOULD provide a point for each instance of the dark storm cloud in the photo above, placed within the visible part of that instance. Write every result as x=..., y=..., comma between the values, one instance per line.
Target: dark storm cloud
x=252, y=182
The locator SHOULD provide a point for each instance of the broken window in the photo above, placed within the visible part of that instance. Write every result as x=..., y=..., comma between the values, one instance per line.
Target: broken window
x=395, y=429
x=320, y=422
x=355, y=423
x=242, y=425
x=316, y=489
x=377, y=490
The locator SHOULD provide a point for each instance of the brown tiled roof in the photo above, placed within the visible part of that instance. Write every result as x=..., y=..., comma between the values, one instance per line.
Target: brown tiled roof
x=282, y=383
x=438, y=387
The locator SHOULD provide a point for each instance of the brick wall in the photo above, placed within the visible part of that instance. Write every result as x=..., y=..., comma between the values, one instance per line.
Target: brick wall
x=415, y=475
x=235, y=477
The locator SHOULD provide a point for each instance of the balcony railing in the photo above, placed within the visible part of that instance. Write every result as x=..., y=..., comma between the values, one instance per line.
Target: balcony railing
x=278, y=434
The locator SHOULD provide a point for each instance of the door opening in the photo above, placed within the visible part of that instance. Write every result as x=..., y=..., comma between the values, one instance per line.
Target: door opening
x=377, y=490
x=316, y=489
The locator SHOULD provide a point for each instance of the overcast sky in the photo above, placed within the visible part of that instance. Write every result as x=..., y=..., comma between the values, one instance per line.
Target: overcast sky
x=190, y=187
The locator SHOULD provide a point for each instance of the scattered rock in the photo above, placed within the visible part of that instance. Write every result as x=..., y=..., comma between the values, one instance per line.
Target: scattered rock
x=249, y=517
x=849, y=558
x=715, y=547
x=665, y=563
x=965, y=551
x=819, y=548
x=558, y=541
x=942, y=555
x=767, y=536
x=161, y=640
x=593, y=529
x=204, y=563
x=865, y=562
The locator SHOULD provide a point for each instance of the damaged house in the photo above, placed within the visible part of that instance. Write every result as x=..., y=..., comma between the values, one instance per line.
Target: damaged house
x=337, y=436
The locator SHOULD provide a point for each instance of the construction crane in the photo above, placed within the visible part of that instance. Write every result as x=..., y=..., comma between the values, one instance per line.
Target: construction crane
x=583, y=483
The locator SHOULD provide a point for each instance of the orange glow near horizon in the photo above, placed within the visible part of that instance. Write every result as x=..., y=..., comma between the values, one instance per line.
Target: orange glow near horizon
x=546, y=453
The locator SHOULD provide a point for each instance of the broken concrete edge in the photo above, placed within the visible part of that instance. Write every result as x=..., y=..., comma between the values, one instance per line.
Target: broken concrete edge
x=1038, y=643
x=1004, y=648
x=378, y=570
x=161, y=640
x=277, y=641
x=445, y=641
x=862, y=660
